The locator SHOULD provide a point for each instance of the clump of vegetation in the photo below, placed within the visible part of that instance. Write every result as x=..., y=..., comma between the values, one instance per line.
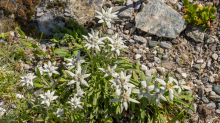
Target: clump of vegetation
x=199, y=14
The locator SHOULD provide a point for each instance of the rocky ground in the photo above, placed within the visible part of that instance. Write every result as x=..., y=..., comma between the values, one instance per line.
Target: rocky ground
x=190, y=52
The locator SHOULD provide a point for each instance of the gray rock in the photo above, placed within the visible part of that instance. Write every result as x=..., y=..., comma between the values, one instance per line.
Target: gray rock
x=212, y=93
x=211, y=106
x=128, y=25
x=165, y=45
x=205, y=79
x=140, y=39
x=197, y=66
x=210, y=40
x=211, y=79
x=150, y=65
x=2, y=41
x=216, y=88
x=164, y=57
x=45, y=25
x=123, y=12
x=179, y=7
x=129, y=3
x=215, y=98
x=201, y=91
x=157, y=60
x=159, y=19
x=218, y=104
x=132, y=41
x=213, y=48
x=205, y=100
x=217, y=111
x=152, y=43
x=43, y=47
x=196, y=33
x=215, y=56
x=137, y=5
x=175, y=41
x=109, y=31
x=199, y=61
x=177, y=59
x=137, y=56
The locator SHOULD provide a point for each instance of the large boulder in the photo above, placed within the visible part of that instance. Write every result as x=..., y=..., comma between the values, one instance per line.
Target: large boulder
x=159, y=19
x=36, y=16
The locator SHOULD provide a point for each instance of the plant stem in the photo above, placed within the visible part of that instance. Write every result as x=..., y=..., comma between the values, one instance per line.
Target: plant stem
x=92, y=58
x=47, y=111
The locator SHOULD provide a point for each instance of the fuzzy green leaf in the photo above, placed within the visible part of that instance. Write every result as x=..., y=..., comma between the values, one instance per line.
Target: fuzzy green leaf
x=61, y=52
x=21, y=33
x=205, y=17
x=28, y=44
x=186, y=3
x=213, y=17
x=38, y=85
x=213, y=10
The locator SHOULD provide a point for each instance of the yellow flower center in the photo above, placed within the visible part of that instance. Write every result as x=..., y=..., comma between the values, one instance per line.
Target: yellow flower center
x=94, y=40
x=124, y=97
x=144, y=90
x=109, y=70
x=106, y=15
x=170, y=85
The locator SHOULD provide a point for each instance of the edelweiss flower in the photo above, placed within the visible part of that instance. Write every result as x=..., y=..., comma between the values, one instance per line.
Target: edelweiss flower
x=28, y=79
x=109, y=71
x=2, y=111
x=60, y=112
x=106, y=16
x=122, y=81
x=75, y=102
x=75, y=61
x=116, y=44
x=20, y=96
x=182, y=86
x=78, y=76
x=93, y=40
x=144, y=90
x=158, y=95
x=50, y=69
x=124, y=98
x=40, y=68
x=47, y=98
x=80, y=92
x=171, y=88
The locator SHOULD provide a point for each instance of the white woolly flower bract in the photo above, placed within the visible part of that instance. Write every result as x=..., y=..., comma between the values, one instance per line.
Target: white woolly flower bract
x=116, y=44
x=48, y=97
x=60, y=112
x=50, y=68
x=28, y=79
x=158, y=95
x=79, y=76
x=93, y=40
x=106, y=16
x=75, y=102
x=124, y=98
x=171, y=87
x=75, y=61
x=144, y=91
x=109, y=71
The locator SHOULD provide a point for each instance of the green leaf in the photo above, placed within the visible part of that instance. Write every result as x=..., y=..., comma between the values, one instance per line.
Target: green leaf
x=184, y=103
x=27, y=44
x=186, y=3
x=52, y=49
x=39, y=52
x=135, y=76
x=177, y=117
x=213, y=17
x=38, y=85
x=136, y=83
x=195, y=6
x=38, y=72
x=78, y=45
x=61, y=52
x=46, y=82
x=58, y=29
x=55, y=36
x=213, y=10
x=63, y=80
x=204, y=17
x=21, y=33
